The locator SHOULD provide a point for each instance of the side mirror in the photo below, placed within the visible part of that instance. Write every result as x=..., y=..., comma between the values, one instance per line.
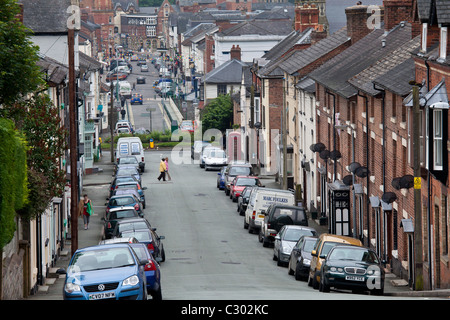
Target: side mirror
x=314, y=253
x=143, y=262
x=277, y=237
x=144, y=188
x=162, y=237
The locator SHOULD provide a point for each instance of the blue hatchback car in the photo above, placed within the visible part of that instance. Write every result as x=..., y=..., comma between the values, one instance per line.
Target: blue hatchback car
x=221, y=178
x=112, y=271
x=137, y=98
x=152, y=271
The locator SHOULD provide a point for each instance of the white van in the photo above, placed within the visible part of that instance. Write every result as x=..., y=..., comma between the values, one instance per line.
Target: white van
x=125, y=89
x=131, y=146
x=260, y=199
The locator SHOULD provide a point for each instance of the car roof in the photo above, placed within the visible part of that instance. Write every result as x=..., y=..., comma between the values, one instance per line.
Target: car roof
x=338, y=238
x=272, y=190
x=111, y=244
x=131, y=220
x=285, y=206
x=294, y=226
x=118, y=241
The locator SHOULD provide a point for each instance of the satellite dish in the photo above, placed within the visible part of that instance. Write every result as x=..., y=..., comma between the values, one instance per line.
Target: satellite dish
x=335, y=155
x=325, y=154
x=319, y=147
x=396, y=183
x=362, y=172
x=348, y=180
x=407, y=182
x=389, y=197
x=353, y=166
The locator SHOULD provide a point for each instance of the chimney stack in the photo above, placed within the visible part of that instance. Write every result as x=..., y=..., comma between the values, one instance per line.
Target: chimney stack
x=358, y=19
x=235, y=53
x=307, y=15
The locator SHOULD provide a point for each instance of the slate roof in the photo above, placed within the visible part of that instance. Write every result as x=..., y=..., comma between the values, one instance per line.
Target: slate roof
x=292, y=39
x=228, y=72
x=302, y=58
x=397, y=79
x=438, y=10
x=307, y=84
x=443, y=11
x=55, y=72
x=364, y=80
x=46, y=16
x=259, y=27
x=335, y=73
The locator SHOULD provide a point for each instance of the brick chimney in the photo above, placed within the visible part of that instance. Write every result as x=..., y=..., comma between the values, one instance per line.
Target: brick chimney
x=357, y=21
x=307, y=15
x=235, y=53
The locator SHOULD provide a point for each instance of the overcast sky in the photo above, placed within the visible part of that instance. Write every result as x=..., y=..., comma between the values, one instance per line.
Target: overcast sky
x=336, y=11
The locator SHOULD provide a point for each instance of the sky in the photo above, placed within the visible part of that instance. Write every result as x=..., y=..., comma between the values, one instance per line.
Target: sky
x=336, y=11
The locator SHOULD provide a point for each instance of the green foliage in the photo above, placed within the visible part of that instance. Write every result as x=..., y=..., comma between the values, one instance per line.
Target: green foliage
x=153, y=3
x=218, y=114
x=19, y=73
x=13, y=178
x=39, y=120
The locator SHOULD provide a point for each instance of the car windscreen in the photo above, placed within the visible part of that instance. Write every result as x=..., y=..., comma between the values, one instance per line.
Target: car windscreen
x=353, y=254
x=327, y=246
x=102, y=258
x=292, y=234
x=239, y=171
x=141, y=251
x=122, y=214
x=294, y=214
x=247, y=182
x=218, y=154
x=130, y=160
x=140, y=235
x=122, y=201
x=127, y=186
x=127, y=171
x=132, y=226
x=309, y=245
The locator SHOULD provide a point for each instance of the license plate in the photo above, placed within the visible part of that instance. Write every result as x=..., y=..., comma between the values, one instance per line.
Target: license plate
x=354, y=278
x=261, y=216
x=103, y=295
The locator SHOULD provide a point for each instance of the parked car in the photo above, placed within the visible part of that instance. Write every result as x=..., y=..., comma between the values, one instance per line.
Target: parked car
x=119, y=240
x=130, y=224
x=123, y=131
x=276, y=216
x=134, y=185
x=152, y=270
x=116, y=75
x=127, y=161
x=128, y=200
x=124, y=124
x=221, y=178
x=144, y=68
x=134, y=192
x=236, y=169
x=140, y=80
x=300, y=258
x=111, y=271
x=116, y=214
x=217, y=158
x=150, y=239
x=240, y=183
x=129, y=171
x=118, y=180
x=187, y=125
x=260, y=199
x=197, y=148
x=131, y=146
x=352, y=267
x=136, y=98
x=243, y=200
x=324, y=244
x=285, y=241
x=205, y=154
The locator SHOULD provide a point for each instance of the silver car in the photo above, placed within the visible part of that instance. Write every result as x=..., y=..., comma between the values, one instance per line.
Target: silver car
x=286, y=239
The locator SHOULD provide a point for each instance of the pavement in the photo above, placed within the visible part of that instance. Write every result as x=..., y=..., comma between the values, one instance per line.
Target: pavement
x=95, y=183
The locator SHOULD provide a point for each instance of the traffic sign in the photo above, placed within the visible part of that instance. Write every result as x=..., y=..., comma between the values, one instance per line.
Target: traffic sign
x=417, y=183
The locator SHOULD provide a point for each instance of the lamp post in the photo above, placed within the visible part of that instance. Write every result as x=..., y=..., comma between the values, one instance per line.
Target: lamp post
x=343, y=127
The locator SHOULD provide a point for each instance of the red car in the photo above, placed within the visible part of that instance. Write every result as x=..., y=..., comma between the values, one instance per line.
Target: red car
x=240, y=183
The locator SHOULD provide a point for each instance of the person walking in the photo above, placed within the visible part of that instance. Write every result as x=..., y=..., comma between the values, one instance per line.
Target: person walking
x=85, y=210
x=162, y=170
x=166, y=162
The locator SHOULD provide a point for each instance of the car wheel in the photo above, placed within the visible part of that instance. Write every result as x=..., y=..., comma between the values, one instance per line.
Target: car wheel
x=279, y=262
x=310, y=284
x=290, y=271
x=245, y=225
x=157, y=295
x=163, y=255
x=260, y=238
x=377, y=292
x=297, y=272
x=265, y=242
x=315, y=283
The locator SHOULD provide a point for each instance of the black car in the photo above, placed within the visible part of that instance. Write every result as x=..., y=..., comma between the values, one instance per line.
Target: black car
x=118, y=180
x=242, y=201
x=129, y=171
x=151, y=240
x=352, y=267
x=278, y=215
x=113, y=216
x=130, y=224
x=125, y=200
x=300, y=258
x=140, y=80
x=133, y=185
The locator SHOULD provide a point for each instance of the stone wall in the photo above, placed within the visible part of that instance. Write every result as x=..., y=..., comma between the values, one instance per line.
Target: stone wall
x=12, y=275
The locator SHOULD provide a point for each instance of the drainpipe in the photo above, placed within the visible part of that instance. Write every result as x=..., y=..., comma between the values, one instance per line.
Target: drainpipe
x=368, y=176
x=334, y=132
x=429, y=187
x=383, y=116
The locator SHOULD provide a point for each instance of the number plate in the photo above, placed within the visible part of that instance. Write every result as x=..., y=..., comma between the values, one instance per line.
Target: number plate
x=354, y=278
x=103, y=295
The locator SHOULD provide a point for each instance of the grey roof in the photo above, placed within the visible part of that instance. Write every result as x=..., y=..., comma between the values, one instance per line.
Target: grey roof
x=335, y=73
x=364, y=80
x=228, y=72
x=307, y=84
x=443, y=11
x=55, y=72
x=397, y=79
x=302, y=58
x=46, y=16
x=292, y=39
x=260, y=27
x=88, y=62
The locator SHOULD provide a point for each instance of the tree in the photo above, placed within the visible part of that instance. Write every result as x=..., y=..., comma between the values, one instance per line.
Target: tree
x=19, y=73
x=218, y=114
x=13, y=178
x=39, y=121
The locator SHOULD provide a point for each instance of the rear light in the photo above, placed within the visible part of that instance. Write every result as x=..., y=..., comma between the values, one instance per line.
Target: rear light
x=107, y=210
x=142, y=159
x=253, y=215
x=268, y=225
x=109, y=225
x=136, y=207
x=150, y=266
x=150, y=247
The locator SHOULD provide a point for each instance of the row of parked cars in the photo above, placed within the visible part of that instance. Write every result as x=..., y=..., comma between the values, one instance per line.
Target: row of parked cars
x=125, y=265
x=324, y=260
